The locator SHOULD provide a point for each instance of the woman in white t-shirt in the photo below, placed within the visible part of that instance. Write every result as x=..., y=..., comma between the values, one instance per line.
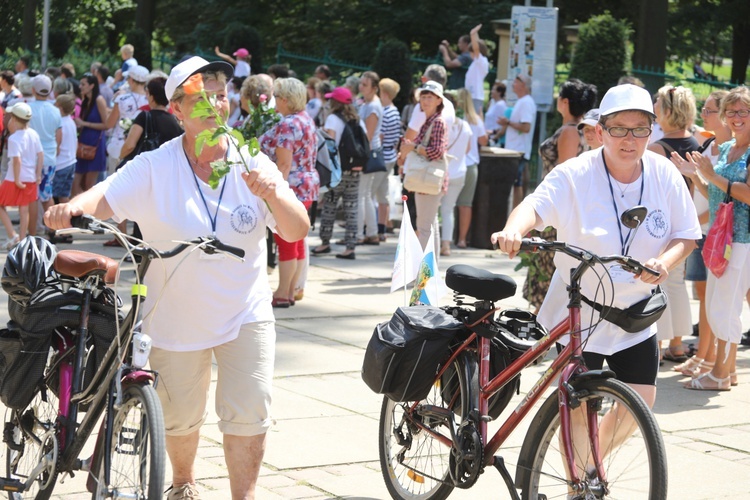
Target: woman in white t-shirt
x=583, y=199
x=210, y=308
x=460, y=138
x=371, y=114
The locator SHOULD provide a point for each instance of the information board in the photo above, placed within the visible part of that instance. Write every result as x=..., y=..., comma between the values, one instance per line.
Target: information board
x=533, y=51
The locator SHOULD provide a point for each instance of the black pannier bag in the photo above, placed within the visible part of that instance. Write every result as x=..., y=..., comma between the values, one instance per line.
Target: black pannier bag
x=405, y=353
x=31, y=331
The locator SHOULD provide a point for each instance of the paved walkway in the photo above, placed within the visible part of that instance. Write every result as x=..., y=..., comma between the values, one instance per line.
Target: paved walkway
x=324, y=442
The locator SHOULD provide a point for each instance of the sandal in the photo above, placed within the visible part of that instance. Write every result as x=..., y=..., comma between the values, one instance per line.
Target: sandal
x=691, y=365
x=299, y=293
x=280, y=303
x=733, y=379
x=670, y=355
x=461, y=244
x=707, y=380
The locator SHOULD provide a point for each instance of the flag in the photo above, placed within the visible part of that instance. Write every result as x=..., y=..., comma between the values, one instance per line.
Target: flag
x=429, y=286
x=408, y=254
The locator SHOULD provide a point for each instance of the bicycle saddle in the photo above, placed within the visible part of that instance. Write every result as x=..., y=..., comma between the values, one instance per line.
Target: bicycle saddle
x=480, y=284
x=78, y=264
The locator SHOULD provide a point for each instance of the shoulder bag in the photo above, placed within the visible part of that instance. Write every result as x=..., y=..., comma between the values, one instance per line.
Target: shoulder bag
x=422, y=175
x=86, y=151
x=717, y=249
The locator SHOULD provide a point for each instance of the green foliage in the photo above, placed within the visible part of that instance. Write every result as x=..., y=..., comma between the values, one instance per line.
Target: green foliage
x=59, y=43
x=260, y=120
x=139, y=39
x=601, y=54
x=393, y=60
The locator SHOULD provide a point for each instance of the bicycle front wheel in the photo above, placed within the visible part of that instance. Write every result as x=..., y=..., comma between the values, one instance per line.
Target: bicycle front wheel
x=633, y=455
x=414, y=463
x=30, y=438
x=137, y=454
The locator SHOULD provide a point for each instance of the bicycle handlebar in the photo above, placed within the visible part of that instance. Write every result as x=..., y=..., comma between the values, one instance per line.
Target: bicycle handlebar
x=627, y=263
x=206, y=244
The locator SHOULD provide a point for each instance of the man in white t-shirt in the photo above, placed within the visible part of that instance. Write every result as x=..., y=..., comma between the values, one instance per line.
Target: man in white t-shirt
x=584, y=198
x=520, y=129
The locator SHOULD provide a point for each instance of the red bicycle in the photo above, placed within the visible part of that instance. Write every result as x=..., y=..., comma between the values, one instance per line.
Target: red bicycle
x=594, y=437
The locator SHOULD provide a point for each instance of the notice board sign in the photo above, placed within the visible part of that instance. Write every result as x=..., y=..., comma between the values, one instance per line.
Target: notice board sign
x=533, y=51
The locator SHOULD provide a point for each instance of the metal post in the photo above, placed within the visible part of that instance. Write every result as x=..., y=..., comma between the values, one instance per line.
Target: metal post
x=45, y=34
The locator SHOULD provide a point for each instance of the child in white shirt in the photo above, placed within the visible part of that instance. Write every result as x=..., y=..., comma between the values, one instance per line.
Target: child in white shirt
x=26, y=158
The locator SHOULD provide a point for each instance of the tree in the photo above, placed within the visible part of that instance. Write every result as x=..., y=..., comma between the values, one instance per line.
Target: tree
x=600, y=55
x=393, y=60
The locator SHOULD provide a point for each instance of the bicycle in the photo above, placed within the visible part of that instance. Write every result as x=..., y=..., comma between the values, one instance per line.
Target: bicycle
x=45, y=438
x=429, y=447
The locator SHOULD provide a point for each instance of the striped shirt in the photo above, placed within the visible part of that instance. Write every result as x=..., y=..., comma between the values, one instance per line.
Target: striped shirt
x=391, y=130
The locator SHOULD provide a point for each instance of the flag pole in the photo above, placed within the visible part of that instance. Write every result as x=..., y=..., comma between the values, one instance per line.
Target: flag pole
x=405, y=213
x=435, y=245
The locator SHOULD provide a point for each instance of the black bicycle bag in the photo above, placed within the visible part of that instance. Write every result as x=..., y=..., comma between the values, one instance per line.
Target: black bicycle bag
x=405, y=353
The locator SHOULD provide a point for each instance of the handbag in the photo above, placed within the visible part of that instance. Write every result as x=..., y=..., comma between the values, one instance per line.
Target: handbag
x=638, y=316
x=717, y=249
x=376, y=161
x=87, y=151
x=422, y=175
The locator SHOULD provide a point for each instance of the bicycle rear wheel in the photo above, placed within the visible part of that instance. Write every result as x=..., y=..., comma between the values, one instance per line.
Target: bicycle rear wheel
x=137, y=453
x=414, y=463
x=30, y=439
x=635, y=466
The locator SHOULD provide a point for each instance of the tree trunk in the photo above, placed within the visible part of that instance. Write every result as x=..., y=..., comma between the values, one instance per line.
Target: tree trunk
x=144, y=21
x=651, y=42
x=740, y=50
x=28, y=35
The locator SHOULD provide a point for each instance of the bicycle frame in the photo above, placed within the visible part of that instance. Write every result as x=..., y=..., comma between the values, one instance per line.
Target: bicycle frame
x=567, y=364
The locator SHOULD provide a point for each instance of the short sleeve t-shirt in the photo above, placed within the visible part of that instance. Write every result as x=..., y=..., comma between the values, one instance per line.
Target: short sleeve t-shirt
x=69, y=144
x=46, y=120
x=495, y=110
x=373, y=107
x=575, y=198
x=336, y=125
x=475, y=76
x=24, y=144
x=206, y=301
x=129, y=105
x=477, y=129
x=523, y=112
x=242, y=69
x=459, y=136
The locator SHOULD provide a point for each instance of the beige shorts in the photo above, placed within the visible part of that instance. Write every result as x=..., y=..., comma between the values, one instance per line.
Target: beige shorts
x=243, y=385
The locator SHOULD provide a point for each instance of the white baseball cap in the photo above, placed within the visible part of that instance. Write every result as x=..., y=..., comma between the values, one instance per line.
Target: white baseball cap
x=20, y=110
x=41, y=84
x=626, y=97
x=138, y=73
x=191, y=66
x=590, y=118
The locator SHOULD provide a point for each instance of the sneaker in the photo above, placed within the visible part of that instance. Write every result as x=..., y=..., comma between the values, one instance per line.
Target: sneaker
x=186, y=491
x=9, y=244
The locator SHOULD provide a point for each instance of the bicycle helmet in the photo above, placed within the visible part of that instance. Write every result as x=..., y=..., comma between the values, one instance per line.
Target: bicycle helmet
x=27, y=267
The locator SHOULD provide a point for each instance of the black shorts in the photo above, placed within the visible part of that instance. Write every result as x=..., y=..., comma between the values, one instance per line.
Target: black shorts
x=638, y=364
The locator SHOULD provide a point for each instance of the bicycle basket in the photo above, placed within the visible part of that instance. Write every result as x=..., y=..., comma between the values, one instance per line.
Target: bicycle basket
x=405, y=353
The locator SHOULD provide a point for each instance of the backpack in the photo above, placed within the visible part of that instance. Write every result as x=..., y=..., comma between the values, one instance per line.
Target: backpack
x=354, y=148
x=327, y=163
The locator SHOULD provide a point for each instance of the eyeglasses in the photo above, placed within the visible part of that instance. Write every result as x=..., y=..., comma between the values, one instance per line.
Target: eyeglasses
x=706, y=111
x=742, y=113
x=619, y=132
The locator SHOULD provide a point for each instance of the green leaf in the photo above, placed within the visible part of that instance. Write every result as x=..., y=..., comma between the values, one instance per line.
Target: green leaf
x=219, y=169
x=202, y=109
x=200, y=141
x=238, y=136
x=253, y=147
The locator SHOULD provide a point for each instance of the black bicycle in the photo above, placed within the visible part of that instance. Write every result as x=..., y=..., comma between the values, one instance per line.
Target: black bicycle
x=92, y=366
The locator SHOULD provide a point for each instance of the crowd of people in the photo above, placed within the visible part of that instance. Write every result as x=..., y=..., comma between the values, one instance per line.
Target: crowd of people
x=125, y=146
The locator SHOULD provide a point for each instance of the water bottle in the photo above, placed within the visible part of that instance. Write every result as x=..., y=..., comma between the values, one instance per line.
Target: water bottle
x=141, y=349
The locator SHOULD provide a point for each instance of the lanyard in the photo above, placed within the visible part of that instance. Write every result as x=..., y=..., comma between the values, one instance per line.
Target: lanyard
x=221, y=195
x=614, y=204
